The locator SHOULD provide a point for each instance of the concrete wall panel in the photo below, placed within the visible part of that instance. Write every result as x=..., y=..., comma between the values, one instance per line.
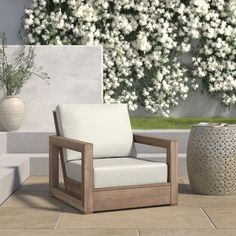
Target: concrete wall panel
x=76, y=77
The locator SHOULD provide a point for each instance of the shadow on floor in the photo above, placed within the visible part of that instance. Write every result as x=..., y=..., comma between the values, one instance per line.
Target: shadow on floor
x=35, y=195
x=185, y=188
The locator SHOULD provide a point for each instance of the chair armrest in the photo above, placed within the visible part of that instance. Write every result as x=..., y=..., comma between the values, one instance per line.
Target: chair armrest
x=56, y=143
x=172, y=159
x=68, y=143
x=153, y=141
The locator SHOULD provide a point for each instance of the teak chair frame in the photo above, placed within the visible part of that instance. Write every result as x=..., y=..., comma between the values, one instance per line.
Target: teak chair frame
x=88, y=199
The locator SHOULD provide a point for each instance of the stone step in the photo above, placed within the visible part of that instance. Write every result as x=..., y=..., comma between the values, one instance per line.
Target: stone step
x=39, y=165
x=14, y=170
x=3, y=143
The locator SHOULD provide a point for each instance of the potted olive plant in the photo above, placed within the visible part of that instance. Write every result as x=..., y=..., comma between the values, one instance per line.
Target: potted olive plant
x=14, y=72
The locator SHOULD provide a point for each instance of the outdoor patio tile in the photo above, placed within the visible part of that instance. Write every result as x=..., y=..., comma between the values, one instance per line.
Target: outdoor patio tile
x=195, y=200
x=155, y=217
x=222, y=217
x=28, y=218
x=187, y=232
x=34, y=194
x=71, y=232
x=33, y=199
x=189, y=198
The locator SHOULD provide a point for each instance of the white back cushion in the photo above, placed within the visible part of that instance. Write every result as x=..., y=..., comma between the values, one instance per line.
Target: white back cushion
x=106, y=126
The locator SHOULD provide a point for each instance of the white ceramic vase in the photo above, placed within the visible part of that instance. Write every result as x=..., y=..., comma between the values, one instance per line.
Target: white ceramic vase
x=11, y=113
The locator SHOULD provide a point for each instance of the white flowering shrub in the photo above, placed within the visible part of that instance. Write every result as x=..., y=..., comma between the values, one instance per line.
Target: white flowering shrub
x=141, y=41
x=214, y=22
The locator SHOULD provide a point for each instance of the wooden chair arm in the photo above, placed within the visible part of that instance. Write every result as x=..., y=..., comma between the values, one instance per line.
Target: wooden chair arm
x=171, y=159
x=68, y=143
x=153, y=140
x=56, y=143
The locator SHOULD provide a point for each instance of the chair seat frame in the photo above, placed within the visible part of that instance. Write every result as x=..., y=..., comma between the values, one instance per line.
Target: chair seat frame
x=88, y=199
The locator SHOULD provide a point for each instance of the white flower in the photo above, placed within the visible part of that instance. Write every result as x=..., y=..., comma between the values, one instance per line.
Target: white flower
x=28, y=22
x=85, y=12
x=60, y=24
x=228, y=30
x=195, y=33
x=142, y=42
x=186, y=47
x=232, y=82
x=45, y=37
x=143, y=19
x=201, y=6
x=58, y=41
x=166, y=86
x=72, y=3
x=28, y=11
x=42, y=3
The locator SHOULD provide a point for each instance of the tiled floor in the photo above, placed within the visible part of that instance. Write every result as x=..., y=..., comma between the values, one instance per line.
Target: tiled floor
x=30, y=211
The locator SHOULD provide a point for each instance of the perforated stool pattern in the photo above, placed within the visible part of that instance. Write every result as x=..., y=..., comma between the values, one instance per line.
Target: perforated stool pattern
x=211, y=160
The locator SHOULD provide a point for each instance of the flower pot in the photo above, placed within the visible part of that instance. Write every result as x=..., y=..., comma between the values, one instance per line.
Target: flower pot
x=11, y=113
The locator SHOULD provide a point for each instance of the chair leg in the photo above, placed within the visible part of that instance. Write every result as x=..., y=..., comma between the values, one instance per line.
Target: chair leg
x=53, y=167
x=172, y=157
x=87, y=179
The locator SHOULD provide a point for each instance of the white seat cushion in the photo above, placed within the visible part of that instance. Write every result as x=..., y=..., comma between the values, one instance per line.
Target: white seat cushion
x=126, y=171
x=106, y=126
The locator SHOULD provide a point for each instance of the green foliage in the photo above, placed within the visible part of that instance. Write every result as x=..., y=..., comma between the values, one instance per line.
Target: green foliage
x=174, y=123
x=15, y=72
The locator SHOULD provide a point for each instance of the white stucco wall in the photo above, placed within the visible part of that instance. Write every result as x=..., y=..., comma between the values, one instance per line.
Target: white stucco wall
x=11, y=12
x=76, y=77
x=200, y=105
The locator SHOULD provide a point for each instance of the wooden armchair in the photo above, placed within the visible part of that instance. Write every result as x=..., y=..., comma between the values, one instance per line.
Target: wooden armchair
x=97, y=183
